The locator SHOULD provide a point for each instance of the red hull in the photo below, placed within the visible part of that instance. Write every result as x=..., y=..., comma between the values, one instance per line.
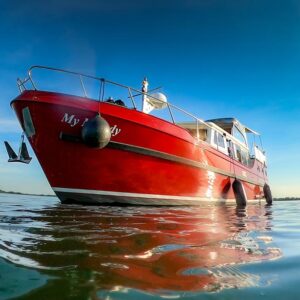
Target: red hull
x=148, y=161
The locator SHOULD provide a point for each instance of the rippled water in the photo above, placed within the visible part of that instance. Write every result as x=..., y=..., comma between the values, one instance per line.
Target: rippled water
x=54, y=251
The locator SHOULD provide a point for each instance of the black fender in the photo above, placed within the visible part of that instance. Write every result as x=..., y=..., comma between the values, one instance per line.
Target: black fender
x=239, y=193
x=268, y=194
x=96, y=132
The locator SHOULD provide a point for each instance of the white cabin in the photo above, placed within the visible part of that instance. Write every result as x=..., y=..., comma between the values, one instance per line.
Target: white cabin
x=228, y=136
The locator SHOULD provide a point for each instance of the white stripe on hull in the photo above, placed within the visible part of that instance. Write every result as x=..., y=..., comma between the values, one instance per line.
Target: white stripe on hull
x=99, y=197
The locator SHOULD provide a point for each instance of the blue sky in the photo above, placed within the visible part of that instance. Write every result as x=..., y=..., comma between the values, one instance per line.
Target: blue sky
x=214, y=58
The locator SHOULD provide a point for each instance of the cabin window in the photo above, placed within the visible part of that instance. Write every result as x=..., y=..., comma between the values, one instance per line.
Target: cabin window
x=238, y=135
x=238, y=153
x=221, y=142
x=242, y=155
x=215, y=138
x=245, y=157
x=230, y=148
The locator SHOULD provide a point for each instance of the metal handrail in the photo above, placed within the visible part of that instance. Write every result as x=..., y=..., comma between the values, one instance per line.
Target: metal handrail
x=103, y=81
x=81, y=75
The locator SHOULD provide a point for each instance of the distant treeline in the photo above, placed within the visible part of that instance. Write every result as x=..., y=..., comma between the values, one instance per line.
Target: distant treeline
x=287, y=199
x=17, y=193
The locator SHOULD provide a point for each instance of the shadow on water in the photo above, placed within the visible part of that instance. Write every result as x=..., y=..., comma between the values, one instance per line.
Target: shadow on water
x=80, y=252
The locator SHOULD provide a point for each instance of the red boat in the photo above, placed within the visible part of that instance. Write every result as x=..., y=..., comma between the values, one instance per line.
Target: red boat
x=106, y=151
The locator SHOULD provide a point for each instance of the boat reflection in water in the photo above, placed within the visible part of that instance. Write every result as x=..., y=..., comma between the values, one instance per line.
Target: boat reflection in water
x=158, y=250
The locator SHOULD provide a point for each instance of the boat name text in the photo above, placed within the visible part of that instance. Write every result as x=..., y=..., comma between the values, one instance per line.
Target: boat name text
x=72, y=120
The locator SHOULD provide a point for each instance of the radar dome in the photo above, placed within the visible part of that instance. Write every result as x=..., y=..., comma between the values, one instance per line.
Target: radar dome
x=158, y=100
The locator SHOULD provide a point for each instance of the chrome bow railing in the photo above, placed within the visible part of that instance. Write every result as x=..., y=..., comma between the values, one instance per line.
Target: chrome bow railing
x=102, y=83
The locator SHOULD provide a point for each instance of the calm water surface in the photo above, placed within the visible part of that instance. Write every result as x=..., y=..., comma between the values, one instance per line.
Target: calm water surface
x=54, y=251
